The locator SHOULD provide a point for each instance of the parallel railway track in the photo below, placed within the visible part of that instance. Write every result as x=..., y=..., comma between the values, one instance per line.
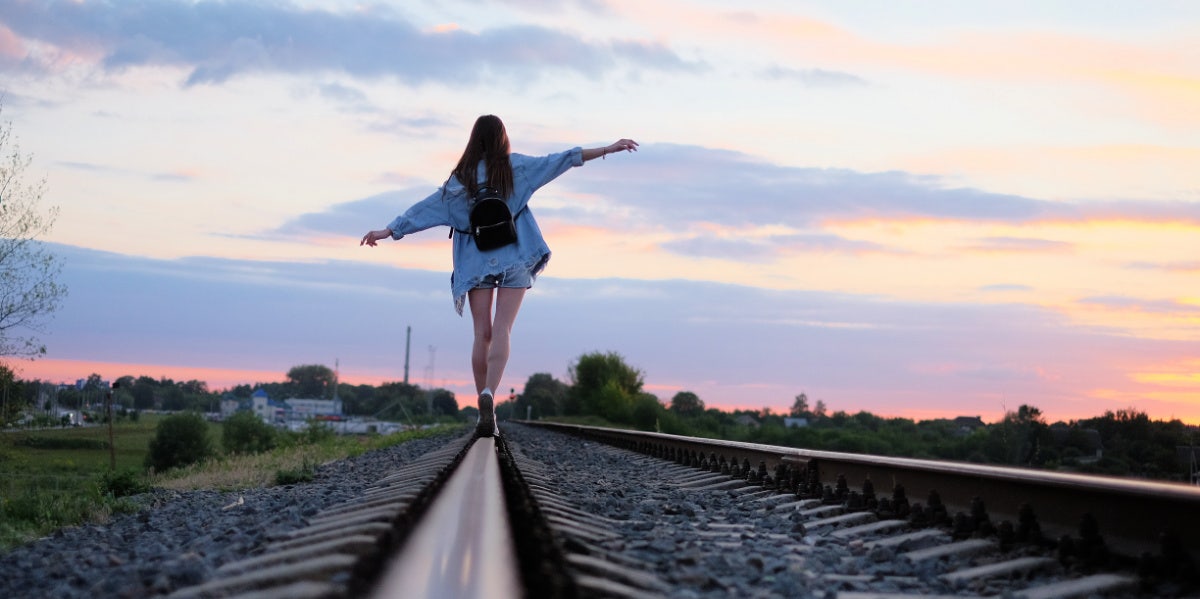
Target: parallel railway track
x=486, y=518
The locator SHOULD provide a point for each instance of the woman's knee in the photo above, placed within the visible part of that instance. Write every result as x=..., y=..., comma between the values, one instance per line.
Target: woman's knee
x=484, y=335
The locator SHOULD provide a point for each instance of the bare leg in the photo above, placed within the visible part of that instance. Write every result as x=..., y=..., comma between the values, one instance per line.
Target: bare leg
x=508, y=303
x=481, y=315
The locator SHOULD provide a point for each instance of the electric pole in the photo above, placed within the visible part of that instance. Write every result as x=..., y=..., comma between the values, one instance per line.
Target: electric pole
x=407, y=345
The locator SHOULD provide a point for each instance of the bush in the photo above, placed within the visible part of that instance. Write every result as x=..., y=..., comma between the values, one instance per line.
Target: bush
x=36, y=442
x=180, y=440
x=122, y=483
x=244, y=432
x=318, y=432
x=293, y=476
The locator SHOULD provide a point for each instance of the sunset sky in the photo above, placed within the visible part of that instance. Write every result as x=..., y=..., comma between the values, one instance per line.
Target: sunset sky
x=924, y=209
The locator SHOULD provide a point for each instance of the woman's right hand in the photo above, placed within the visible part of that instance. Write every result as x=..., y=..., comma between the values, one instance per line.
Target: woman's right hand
x=371, y=237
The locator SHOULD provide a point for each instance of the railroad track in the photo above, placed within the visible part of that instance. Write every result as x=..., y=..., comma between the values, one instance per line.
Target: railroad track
x=507, y=517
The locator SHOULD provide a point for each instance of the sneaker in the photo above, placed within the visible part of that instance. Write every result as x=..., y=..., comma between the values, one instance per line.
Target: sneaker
x=487, y=416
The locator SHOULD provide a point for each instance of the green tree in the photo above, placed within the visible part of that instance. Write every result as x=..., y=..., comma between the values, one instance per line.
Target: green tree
x=311, y=380
x=245, y=432
x=444, y=403
x=686, y=403
x=29, y=287
x=1019, y=438
x=179, y=440
x=12, y=395
x=800, y=407
x=546, y=394
x=647, y=412
x=144, y=391
x=604, y=385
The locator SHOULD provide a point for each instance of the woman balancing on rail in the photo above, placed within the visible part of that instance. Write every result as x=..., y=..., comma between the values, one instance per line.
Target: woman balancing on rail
x=499, y=273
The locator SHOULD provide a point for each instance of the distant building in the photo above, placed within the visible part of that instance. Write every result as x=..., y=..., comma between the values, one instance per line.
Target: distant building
x=231, y=404
x=304, y=409
x=269, y=410
x=790, y=422
x=294, y=409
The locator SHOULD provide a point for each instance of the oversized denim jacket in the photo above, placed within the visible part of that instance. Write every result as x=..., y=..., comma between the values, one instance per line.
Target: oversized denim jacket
x=470, y=264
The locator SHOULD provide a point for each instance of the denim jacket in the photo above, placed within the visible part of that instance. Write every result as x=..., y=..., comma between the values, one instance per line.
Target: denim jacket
x=470, y=264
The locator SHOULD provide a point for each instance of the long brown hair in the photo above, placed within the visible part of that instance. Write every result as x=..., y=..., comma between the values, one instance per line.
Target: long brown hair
x=489, y=144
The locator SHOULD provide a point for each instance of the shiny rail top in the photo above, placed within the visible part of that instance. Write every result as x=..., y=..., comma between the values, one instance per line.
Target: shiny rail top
x=463, y=546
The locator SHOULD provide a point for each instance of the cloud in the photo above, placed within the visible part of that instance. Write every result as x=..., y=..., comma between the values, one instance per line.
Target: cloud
x=169, y=177
x=220, y=40
x=1145, y=306
x=348, y=99
x=767, y=249
x=691, y=191
x=814, y=77
x=1010, y=245
x=680, y=186
x=350, y=218
x=1004, y=287
x=1166, y=266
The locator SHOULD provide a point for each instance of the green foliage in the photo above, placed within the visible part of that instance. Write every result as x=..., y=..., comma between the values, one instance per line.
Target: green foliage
x=122, y=483
x=44, y=442
x=312, y=381
x=686, y=403
x=245, y=432
x=647, y=412
x=603, y=385
x=44, y=489
x=181, y=439
x=13, y=393
x=316, y=432
x=444, y=403
x=546, y=394
x=292, y=476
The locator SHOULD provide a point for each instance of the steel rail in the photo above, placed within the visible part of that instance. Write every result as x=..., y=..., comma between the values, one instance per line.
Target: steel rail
x=463, y=546
x=1134, y=516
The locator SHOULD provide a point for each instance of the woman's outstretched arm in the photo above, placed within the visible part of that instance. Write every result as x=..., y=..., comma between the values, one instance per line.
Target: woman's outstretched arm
x=627, y=145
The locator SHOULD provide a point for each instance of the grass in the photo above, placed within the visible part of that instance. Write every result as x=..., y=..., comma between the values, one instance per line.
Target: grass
x=54, y=478
x=265, y=469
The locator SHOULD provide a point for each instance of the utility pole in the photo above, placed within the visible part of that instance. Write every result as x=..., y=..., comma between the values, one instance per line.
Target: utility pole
x=112, y=445
x=407, y=345
x=429, y=370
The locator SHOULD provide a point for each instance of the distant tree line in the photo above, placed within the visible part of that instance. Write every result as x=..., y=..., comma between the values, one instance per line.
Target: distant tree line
x=389, y=401
x=604, y=389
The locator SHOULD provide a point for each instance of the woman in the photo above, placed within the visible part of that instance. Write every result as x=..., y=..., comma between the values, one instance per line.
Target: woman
x=498, y=276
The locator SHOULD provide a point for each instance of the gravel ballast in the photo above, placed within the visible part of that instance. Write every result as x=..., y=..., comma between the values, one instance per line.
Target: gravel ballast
x=180, y=538
x=699, y=543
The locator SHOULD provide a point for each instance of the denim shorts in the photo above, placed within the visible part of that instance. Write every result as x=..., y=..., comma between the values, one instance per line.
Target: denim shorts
x=516, y=277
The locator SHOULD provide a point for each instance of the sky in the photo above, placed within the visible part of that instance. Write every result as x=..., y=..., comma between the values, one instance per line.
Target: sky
x=921, y=210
